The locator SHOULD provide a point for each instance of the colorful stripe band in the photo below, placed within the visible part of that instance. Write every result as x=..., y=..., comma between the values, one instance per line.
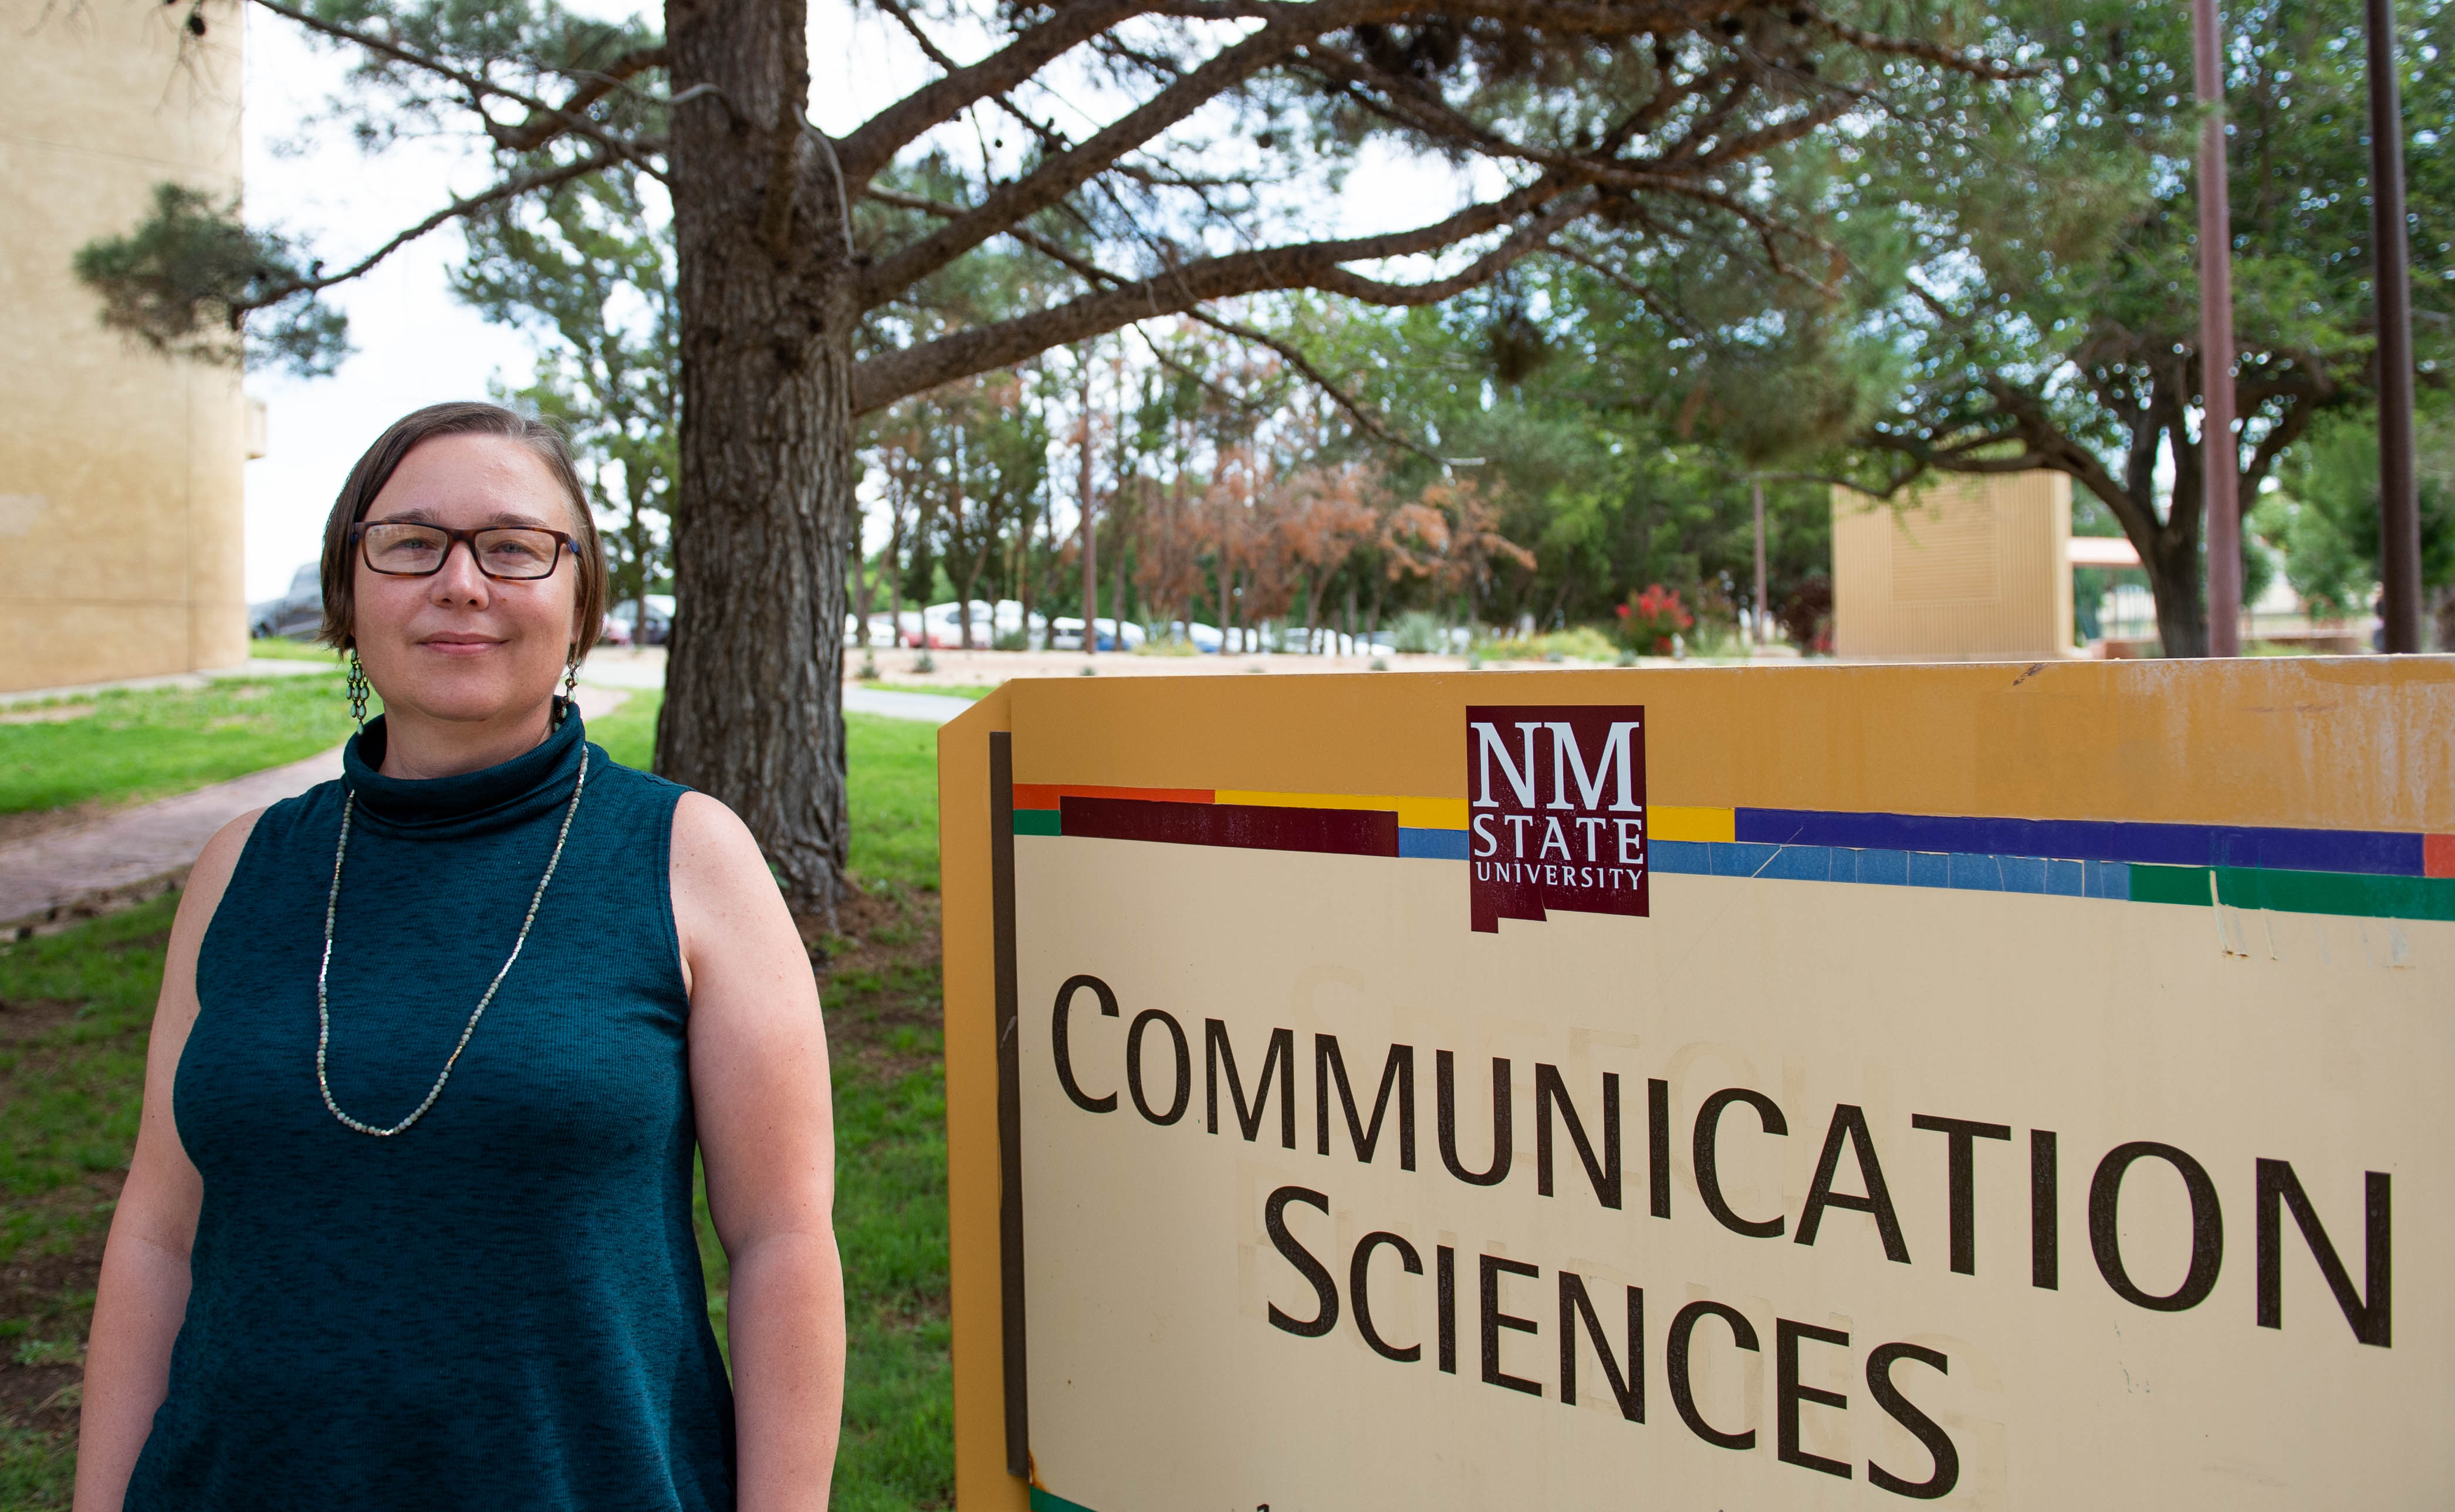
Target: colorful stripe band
x=2359, y=873
x=1050, y=1502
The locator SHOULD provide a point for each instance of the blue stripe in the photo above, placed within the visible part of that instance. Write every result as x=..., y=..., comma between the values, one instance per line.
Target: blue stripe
x=1890, y=868
x=2376, y=853
x=1437, y=845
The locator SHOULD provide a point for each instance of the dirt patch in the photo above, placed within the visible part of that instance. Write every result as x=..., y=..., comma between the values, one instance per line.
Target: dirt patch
x=94, y=905
x=26, y=1019
x=878, y=979
x=46, y=714
x=32, y=822
x=50, y=1299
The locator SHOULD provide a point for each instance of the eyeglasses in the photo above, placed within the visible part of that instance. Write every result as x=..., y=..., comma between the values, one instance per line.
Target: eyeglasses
x=505, y=553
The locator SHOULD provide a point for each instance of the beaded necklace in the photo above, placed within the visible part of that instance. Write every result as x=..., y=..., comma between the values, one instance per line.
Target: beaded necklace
x=331, y=905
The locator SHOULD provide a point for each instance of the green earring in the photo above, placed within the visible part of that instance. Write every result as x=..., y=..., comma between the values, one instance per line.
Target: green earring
x=359, y=690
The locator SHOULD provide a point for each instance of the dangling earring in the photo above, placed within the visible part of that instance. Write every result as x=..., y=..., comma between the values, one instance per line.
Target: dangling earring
x=570, y=692
x=359, y=690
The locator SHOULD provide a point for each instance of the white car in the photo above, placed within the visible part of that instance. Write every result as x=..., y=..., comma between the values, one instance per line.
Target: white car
x=1065, y=634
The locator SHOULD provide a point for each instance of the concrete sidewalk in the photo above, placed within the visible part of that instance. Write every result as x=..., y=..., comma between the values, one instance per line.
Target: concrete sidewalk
x=646, y=669
x=52, y=880
x=254, y=667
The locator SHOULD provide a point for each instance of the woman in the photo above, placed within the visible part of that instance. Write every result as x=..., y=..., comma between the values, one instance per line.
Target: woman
x=409, y=1222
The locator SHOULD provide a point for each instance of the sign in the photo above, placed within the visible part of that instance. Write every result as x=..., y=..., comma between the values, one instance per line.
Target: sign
x=1546, y=830
x=1994, y=1086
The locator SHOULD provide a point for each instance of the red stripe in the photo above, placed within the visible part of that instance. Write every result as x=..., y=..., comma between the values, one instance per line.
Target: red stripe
x=1046, y=795
x=2438, y=856
x=1338, y=832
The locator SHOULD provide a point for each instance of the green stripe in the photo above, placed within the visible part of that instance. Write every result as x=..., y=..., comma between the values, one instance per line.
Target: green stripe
x=1036, y=821
x=2354, y=893
x=1048, y=1501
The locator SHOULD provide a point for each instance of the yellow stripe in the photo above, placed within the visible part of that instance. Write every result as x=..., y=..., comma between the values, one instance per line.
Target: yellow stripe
x=1414, y=813
x=1688, y=824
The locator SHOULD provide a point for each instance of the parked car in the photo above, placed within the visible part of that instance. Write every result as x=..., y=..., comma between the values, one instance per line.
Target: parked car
x=627, y=625
x=298, y=614
x=939, y=627
x=1065, y=634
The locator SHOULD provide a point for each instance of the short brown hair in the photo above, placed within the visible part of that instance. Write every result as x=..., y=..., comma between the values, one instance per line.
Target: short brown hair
x=376, y=469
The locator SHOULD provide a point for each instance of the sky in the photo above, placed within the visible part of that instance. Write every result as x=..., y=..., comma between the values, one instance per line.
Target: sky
x=415, y=344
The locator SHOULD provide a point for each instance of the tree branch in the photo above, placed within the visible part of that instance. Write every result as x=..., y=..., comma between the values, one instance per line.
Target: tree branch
x=873, y=145
x=538, y=129
x=545, y=120
x=1982, y=67
x=882, y=379
x=509, y=189
x=1370, y=424
x=1010, y=204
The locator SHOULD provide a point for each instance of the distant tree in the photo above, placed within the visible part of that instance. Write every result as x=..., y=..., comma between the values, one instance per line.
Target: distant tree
x=2326, y=517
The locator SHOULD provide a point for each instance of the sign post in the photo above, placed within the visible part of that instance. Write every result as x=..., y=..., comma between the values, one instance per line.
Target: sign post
x=1792, y=1087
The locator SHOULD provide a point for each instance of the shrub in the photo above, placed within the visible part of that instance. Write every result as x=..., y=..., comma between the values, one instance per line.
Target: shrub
x=1807, y=617
x=1416, y=634
x=1652, y=616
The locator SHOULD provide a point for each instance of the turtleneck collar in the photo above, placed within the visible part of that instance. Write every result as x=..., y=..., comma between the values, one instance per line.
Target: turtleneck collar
x=496, y=798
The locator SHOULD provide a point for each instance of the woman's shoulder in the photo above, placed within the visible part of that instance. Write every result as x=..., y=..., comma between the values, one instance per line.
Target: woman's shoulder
x=603, y=769
x=276, y=823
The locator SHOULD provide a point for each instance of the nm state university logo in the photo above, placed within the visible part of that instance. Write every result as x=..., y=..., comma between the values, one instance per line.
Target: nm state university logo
x=1555, y=810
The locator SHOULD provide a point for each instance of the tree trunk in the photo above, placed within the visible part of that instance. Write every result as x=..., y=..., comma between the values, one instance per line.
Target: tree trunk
x=2174, y=581
x=754, y=692
x=2171, y=558
x=894, y=562
x=1023, y=570
x=1090, y=531
x=1120, y=606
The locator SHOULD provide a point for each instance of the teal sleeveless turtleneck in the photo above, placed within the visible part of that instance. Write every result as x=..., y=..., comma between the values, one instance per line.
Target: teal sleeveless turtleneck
x=501, y=1307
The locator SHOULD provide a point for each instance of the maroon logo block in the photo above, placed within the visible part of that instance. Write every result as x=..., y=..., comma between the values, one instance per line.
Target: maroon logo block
x=1556, y=811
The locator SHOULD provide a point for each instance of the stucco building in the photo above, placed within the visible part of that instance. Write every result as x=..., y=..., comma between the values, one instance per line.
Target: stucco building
x=1967, y=568
x=122, y=515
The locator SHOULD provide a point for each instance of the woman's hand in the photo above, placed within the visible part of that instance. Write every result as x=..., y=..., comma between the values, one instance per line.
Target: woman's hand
x=766, y=1130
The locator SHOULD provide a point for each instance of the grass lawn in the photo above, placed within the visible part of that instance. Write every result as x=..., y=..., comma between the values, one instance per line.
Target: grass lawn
x=133, y=747
x=275, y=648
x=74, y=1012
x=973, y=691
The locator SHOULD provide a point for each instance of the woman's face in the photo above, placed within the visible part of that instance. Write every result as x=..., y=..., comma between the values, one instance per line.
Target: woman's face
x=460, y=646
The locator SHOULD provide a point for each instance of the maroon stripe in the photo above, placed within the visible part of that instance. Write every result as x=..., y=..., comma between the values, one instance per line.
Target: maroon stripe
x=1339, y=832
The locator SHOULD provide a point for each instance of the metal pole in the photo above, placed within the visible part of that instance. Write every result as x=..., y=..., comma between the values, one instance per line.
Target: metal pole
x=2399, y=504
x=2221, y=462
x=1756, y=486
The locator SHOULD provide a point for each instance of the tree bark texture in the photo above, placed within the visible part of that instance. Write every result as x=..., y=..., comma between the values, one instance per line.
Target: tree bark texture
x=753, y=713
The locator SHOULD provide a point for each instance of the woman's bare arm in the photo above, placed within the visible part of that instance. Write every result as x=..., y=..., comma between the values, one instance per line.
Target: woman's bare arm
x=766, y=1129
x=144, y=1288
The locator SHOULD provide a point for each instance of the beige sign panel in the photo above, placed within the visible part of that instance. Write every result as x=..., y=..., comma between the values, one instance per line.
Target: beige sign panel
x=2073, y=1136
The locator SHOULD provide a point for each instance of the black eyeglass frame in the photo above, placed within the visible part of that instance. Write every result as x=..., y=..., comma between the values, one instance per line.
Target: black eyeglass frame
x=454, y=536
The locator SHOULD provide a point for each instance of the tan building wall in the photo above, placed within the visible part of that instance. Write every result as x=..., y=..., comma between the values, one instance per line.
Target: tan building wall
x=122, y=512
x=1968, y=569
